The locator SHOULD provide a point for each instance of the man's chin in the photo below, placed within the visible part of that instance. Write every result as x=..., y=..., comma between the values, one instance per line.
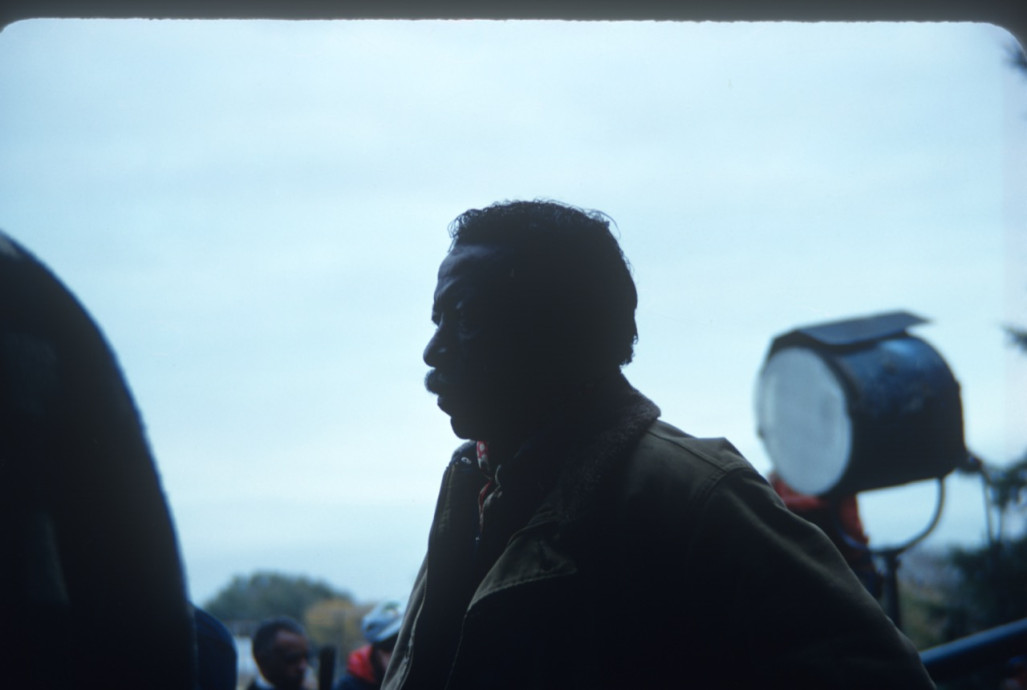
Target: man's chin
x=464, y=425
x=467, y=416
x=464, y=428
x=462, y=432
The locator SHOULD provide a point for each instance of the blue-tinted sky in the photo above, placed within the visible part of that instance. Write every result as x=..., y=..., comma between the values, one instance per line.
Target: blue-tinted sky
x=254, y=213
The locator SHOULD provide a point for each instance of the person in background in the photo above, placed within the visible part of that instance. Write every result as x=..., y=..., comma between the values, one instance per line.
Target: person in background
x=216, y=658
x=366, y=666
x=1015, y=676
x=840, y=520
x=282, y=653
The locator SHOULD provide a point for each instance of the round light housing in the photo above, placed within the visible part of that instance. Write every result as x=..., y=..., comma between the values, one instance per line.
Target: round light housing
x=858, y=404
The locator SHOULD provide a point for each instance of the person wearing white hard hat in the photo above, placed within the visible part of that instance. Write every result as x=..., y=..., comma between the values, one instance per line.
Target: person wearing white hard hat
x=366, y=666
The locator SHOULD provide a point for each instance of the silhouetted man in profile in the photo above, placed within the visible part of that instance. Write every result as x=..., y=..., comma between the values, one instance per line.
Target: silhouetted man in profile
x=579, y=541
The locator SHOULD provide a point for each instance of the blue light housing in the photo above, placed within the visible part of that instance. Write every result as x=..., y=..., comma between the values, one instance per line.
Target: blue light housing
x=858, y=404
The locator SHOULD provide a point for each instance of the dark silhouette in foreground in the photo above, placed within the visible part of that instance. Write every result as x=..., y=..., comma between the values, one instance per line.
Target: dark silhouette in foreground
x=91, y=587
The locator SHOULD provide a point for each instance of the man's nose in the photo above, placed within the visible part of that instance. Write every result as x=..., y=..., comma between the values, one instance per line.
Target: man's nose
x=434, y=350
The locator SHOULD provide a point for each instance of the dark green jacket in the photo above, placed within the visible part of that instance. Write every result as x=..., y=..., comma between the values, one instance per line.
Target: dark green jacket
x=657, y=561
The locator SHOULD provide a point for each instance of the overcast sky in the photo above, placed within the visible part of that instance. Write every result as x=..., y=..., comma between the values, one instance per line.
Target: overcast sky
x=254, y=213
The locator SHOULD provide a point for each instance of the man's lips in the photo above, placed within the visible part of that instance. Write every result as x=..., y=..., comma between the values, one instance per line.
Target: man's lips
x=434, y=382
x=437, y=384
x=453, y=394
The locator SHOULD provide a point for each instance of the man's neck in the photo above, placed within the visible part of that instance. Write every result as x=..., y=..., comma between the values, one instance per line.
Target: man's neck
x=573, y=406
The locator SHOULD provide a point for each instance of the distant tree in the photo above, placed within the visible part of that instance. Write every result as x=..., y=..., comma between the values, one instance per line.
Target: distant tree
x=994, y=584
x=336, y=622
x=990, y=589
x=1018, y=58
x=1019, y=61
x=1019, y=337
x=247, y=600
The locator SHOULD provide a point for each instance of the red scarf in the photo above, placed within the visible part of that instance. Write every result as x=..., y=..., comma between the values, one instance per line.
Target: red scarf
x=483, y=464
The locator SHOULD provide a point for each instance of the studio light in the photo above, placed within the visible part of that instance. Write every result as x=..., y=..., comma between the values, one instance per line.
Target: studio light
x=858, y=404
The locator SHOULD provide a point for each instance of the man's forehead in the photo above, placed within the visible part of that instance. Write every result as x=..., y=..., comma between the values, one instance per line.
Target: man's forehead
x=477, y=264
x=486, y=256
x=289, y=638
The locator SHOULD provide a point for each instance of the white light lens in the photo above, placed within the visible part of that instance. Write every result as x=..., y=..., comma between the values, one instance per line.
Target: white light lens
x=804, y=421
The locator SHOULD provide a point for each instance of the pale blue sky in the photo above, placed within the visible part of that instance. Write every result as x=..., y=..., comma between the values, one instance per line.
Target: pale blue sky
x=254, y=213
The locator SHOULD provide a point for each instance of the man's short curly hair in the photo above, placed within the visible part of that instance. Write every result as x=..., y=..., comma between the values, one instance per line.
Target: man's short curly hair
x=571, y=271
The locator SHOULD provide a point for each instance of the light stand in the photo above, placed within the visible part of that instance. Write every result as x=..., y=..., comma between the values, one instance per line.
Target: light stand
x=856, y=405
x=889, y=555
